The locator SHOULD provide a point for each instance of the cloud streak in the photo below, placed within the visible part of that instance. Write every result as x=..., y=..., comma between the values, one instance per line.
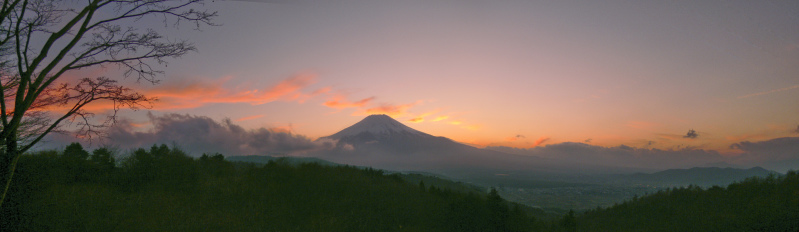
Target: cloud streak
x=196, y=94
x=540, y=141
x=514, y=138
x=619, y=156
x=392, y=110
x=768, y=92
x=422, y=117
x=340, y=102
x=442, y=118
x=249, y=118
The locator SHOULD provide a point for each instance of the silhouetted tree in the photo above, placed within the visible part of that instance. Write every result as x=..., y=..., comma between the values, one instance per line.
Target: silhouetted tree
x=498, y=211
x=103, y=158
x=76, y=167
x=569, y=222
x=41, y=40
x=75, y=151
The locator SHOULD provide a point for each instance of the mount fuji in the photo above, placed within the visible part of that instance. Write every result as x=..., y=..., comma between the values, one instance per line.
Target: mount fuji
x=381, y=133
x=380, y=141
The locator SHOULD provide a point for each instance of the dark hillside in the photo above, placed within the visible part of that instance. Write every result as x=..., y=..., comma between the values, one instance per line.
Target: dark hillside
x=756, y=204
x=263, y=159
x=703, y=177
x=161, y=189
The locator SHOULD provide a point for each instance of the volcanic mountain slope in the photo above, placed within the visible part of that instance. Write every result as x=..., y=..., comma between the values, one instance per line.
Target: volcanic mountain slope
x=381, y=133
x=382, y=142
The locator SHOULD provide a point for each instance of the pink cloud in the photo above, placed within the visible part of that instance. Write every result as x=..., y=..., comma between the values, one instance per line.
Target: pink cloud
x=339, y=102
x=768, y=92
x=249, y=118
x=388, y=109
x=540, y=141
x=196, y=94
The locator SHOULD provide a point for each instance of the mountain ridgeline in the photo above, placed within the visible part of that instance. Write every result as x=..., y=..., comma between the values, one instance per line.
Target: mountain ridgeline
x=756, y=204
x=382, y=142
x=699, y=176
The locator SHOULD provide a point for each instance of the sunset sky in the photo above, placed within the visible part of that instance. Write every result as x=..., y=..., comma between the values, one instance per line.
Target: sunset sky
x=496, y=73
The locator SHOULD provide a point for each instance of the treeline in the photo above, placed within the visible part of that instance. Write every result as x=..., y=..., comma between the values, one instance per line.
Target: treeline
x=756, y=204
x=163, y=189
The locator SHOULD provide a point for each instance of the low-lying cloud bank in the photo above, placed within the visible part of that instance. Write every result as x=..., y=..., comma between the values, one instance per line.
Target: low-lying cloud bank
x=200, y=134
x=779, y=154
x=619, y=156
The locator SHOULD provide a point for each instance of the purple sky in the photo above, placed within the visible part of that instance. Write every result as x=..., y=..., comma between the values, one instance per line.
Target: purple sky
x=496, y=73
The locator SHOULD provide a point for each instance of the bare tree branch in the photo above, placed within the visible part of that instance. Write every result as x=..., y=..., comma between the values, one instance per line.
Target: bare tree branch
x=37, y=48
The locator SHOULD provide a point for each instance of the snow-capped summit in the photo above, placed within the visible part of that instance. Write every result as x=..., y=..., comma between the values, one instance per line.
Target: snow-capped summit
x=382, y=133
x=378, y=125
x=382, y=142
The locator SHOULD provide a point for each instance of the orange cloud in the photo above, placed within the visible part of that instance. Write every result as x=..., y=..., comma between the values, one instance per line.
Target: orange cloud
x=133, y=124
x=391, y=110
x=540, y=141
x=287, y=88
x=756, y=137
x=192, y=95
x=471, y=127
x=321, y=90
x=462, y=124
x=338, y=102
x=440, y=118
x=421, y=117
x=249, y=118
x=281, y=129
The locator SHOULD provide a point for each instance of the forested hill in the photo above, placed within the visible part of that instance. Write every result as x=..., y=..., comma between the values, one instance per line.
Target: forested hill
x=756, y=204
x=263, y=159
x=162, y=189
x=701, y=176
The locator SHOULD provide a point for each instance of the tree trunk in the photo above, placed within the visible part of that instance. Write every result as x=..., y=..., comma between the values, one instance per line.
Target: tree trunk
x=8, y=162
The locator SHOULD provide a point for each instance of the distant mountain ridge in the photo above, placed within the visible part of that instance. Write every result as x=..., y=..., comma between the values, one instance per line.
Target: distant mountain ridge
x=701, y=176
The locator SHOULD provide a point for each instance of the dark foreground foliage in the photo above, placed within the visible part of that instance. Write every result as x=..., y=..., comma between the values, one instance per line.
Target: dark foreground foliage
x=756, y=204
x=162, y=189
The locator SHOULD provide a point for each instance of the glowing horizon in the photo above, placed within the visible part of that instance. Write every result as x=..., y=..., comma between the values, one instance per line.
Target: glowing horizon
x=506, y=73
